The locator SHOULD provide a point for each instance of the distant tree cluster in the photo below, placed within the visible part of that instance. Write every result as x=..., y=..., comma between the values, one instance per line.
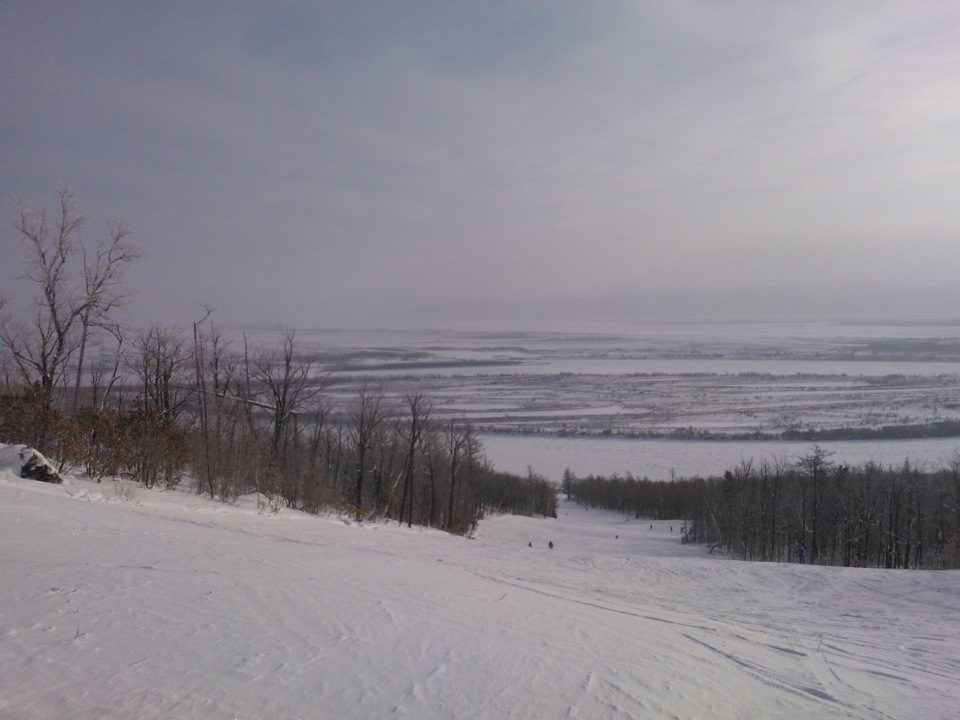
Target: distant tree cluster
x=865, y=516
x=633, y=496
x=159, y=404
x=940, y=428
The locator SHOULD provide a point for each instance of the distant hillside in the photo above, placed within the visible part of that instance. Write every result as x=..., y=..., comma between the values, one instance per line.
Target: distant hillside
x=855, y=300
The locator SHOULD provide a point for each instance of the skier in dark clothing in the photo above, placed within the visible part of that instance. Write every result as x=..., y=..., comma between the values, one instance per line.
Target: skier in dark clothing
x=801, y=555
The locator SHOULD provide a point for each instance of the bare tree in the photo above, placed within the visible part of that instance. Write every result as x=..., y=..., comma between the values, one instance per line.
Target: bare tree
x=953, y=473
x=105, y=372
x=286, y=376
x=430, y=449
x=365, y=419
x=419, y=409
x=456, y=439
x=316, y=475
x=42, y=348
x=70, y=300
x=103, y=290
x=159, y=364
x=8, y=368
x=813, y=472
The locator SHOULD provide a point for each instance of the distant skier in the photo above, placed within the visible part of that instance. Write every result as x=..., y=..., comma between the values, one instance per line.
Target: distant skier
x=550, y=544
x=801, y=555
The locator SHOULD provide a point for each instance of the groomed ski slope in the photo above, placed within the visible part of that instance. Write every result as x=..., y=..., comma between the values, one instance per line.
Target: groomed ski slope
x=165, y=605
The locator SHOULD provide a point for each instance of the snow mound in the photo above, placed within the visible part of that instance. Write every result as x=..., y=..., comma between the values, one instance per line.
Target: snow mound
x=25, y=462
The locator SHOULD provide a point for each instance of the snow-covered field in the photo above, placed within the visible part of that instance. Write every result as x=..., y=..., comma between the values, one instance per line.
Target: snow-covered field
x=607, y=398
x=118, y=602
x=577, y=386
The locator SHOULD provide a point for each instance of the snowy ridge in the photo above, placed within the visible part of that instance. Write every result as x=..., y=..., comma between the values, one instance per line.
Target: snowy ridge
x=126, y=603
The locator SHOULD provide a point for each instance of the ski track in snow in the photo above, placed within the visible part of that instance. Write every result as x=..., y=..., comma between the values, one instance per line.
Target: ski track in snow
x=175, y=606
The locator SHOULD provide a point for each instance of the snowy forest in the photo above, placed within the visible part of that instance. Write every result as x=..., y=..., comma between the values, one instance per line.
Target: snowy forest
x=167, y=403
x=813, y=510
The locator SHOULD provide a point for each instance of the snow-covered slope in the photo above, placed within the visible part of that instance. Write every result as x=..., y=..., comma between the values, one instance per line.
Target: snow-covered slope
x=141, y=604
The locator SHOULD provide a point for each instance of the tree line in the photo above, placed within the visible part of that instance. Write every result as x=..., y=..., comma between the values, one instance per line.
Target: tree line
x=162, y=403
x=814, y=509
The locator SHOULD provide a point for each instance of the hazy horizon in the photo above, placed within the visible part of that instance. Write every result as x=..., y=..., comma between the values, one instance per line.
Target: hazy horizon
x=858, y=301
x=361, y=164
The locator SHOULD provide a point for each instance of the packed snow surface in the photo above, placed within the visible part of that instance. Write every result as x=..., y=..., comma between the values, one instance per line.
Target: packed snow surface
x=118, y=602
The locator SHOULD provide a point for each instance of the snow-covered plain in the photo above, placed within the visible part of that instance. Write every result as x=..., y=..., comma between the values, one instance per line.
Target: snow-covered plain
x=118, y=602
x=575, y=387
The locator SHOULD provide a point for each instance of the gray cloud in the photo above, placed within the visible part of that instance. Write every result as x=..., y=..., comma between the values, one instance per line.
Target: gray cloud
x=350, y=162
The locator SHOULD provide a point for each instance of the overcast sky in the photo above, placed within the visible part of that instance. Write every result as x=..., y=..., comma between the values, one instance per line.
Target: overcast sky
x=351, y=163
